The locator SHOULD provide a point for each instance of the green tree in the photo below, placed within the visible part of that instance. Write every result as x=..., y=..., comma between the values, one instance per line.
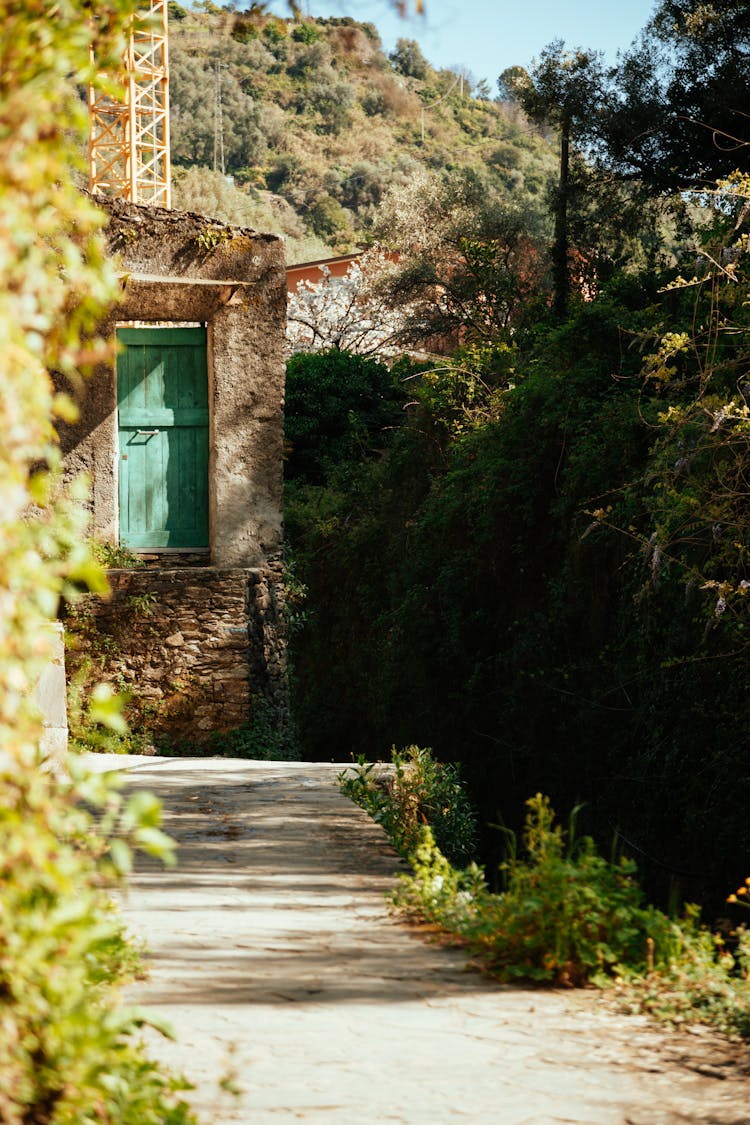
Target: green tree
x=680, y=119
x=328, y=219
x=339, y=408
x=333, y=100
x=407, y=59
x=565, y=89
x=195, y=86
x=466, y=259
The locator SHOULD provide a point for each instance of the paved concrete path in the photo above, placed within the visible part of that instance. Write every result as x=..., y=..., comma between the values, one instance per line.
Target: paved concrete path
x=275, y=959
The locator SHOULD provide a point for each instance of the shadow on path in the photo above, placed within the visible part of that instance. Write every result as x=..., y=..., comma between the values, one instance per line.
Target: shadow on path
x=275, y=957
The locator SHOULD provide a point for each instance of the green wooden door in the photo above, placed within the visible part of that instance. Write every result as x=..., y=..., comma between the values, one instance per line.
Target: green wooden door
x=162, y=399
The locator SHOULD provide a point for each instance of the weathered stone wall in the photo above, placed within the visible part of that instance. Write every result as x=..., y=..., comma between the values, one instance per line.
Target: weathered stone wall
x=268, y=644
x=179, y=267
x=196, y=646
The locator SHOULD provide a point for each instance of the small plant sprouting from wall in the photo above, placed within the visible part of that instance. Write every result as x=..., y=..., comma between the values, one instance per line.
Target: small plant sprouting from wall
x=211, y=237
x=96, y=679
x=100, y=716
x=142, y=605
x=88, y=652
x=295, y=595
x=113, y=556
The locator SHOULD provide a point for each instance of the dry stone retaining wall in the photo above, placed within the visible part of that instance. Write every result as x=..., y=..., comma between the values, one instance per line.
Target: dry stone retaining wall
x=197, y=647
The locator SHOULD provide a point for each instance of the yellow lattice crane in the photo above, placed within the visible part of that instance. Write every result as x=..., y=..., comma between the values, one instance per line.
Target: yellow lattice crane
x=129, y=137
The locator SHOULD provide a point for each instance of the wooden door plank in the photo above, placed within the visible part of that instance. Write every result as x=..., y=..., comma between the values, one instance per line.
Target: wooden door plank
x=163, y=390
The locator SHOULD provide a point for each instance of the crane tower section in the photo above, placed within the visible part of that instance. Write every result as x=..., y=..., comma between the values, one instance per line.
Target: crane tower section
x=129, y=136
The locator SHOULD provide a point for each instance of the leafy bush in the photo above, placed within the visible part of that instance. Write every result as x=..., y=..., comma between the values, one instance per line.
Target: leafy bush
x=333, y=100
x=275, y=31
x=440, y=893
x=705, y=979
x=366, y=183
x=307, y=33
x=418, y=791
x=244, y=30
x=374, y=103
x=339, y=408
x=328, y=219
x=114, y=556
x=407, y=59
x=313, y=59
x=567, y=915
x=68, y=1052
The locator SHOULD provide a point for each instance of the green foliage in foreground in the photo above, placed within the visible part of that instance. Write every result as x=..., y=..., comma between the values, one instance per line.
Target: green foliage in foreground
x=567, y=916
x=69, y=1051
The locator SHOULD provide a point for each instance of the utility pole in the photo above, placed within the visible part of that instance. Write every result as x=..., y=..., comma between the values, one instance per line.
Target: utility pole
x=218, y=125
x=129, y=154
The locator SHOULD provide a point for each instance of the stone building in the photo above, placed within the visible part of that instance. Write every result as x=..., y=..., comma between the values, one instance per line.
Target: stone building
x=181, y=437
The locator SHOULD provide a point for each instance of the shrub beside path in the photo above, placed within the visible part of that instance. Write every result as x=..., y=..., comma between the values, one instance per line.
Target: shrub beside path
x=275, y=959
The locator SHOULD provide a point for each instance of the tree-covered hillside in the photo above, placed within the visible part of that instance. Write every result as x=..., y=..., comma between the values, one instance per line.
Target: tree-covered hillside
x=310, y=123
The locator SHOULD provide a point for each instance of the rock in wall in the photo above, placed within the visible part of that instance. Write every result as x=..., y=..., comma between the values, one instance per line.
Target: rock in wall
x=196, y=647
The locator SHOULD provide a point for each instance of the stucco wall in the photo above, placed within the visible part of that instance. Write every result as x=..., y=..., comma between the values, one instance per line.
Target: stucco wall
x=180, y=267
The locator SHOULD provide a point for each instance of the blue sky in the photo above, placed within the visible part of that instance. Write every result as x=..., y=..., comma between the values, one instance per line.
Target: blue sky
x=486, y=36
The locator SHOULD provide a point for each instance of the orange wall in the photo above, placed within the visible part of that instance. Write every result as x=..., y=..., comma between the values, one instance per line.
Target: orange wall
x=313, y=271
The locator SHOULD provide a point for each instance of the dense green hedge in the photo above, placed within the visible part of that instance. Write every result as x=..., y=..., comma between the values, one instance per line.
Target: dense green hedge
x=503, y=596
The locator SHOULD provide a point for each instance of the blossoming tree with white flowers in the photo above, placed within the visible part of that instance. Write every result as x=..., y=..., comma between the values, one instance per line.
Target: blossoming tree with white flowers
x=349, y=313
